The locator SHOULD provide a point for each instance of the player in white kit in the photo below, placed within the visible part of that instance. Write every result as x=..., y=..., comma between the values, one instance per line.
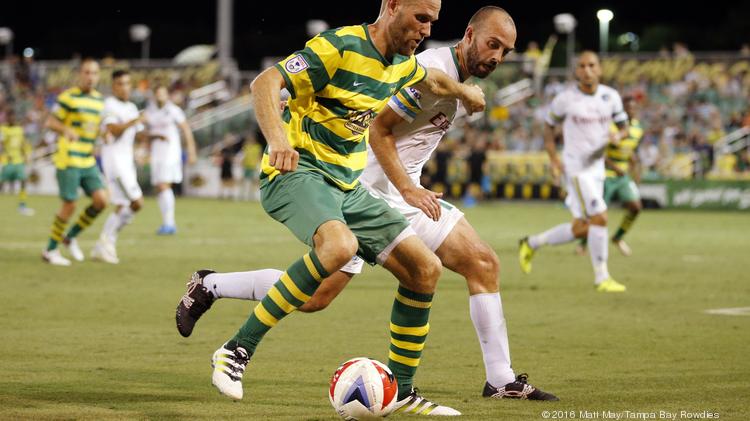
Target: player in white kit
x=586, y=112
x=120, y=123
x=165, y=121
x=402, y=138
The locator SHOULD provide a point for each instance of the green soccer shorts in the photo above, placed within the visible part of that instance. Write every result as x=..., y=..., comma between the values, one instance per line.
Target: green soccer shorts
x=13, y=172
x=621, y=188
x=304, y=200
x=69, y=179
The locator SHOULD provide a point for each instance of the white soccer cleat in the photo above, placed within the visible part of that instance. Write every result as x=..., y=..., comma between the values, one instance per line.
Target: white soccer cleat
x=104, y=253
x=23, y=210
x=229, y=366
x=74, y=249
x=416, y=404
x=623, y=247
x=54, y=257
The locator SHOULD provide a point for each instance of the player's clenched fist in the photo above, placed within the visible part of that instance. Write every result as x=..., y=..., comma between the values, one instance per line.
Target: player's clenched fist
x=283, y=157
x=472, y=98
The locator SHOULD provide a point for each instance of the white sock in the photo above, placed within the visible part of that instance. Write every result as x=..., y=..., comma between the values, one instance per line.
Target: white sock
x=253, y=285
x=126, y=216
x=487, y=315
x=599, y=251
x=115, y=222
x=559, y=234
x=110, y=227
x=166, y=205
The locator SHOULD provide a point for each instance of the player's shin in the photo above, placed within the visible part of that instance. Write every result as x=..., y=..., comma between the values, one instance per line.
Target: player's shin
x=486, y=312
x=293, y=289
x=409, y=328
x=85, y=219
x=627, y=223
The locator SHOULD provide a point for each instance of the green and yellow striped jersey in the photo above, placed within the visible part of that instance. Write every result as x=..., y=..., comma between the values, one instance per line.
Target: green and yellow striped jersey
x=15, y=148
x=620, y=154
x=338, y=84
x=82, y=111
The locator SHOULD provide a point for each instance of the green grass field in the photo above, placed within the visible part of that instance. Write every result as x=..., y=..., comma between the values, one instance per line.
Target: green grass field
x=97, y=342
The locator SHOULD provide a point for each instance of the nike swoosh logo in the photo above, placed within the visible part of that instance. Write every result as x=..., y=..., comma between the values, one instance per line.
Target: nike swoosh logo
x=358, y=84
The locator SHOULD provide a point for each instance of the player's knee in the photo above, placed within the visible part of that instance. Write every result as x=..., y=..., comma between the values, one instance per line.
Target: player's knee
x=428, y=271
x=488, y=266
x=337, y=247
x=580, y=228
x=136, y=205
x=635, y=207
x=600, y=219
x=100, y=201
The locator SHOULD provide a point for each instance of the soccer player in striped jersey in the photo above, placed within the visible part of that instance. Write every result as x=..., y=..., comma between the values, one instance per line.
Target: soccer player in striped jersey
x=586, y=113
x=75, y=118
x=623, y=172
x=15, y=152
x=317, y=151
x=403, y=137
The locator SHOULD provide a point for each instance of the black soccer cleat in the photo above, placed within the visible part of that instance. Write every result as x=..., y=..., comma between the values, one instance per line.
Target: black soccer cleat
x=519, y=389
x=196, y=301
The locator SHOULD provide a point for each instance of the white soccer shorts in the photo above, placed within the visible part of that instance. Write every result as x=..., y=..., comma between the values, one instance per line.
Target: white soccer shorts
x=123, y=187
x=166, y=172
x=432, y=233
x=585, y=194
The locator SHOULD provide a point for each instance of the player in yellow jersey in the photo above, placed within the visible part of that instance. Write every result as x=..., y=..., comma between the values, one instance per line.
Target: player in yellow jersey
x=623, y=172
x=76, y=118
x=15, y=153
x=251, y=154
x=317, y=150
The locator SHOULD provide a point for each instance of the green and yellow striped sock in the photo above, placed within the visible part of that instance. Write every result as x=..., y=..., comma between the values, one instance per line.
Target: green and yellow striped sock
x=409, y=326
x=627, y=223
x=85, y=219
x=58, y=227
x=295, y=288
x=22, y=197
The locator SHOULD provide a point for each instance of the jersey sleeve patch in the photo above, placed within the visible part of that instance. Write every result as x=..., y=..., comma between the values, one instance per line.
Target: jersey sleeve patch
x=296, y=64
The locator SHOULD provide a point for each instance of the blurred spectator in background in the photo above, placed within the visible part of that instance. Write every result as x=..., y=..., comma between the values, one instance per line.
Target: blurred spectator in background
x=530, y=57
x=225, y=157
x=251, y=155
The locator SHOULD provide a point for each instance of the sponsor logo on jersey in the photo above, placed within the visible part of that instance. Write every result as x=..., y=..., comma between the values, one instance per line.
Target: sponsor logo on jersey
x=359, y=121
x=441, y=121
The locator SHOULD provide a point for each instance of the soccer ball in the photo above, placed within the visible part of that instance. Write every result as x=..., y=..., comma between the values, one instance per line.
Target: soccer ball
x=363, y=389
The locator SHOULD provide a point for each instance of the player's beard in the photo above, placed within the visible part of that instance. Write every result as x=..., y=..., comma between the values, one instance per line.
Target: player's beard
x=402, y=43
x=475, y=66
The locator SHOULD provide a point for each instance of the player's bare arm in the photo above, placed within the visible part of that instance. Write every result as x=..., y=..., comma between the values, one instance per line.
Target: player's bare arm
x=383, y=144
x=60, y=128
x=266, y=100
x=621, y=133
x=117, y=129
x=443, y=85
x=610, y=165
x=187, y=134
x=551, y=148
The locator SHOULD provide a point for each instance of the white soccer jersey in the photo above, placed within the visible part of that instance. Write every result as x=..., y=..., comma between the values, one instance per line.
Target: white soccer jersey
x=586, y=125
x=164, y=121
x=117, y=152
x=427, y=118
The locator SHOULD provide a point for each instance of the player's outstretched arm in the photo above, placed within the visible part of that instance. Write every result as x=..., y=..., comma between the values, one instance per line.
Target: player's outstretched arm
x=266, y=100
x=441, y=84
x=383, y=143
x=551, y=148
